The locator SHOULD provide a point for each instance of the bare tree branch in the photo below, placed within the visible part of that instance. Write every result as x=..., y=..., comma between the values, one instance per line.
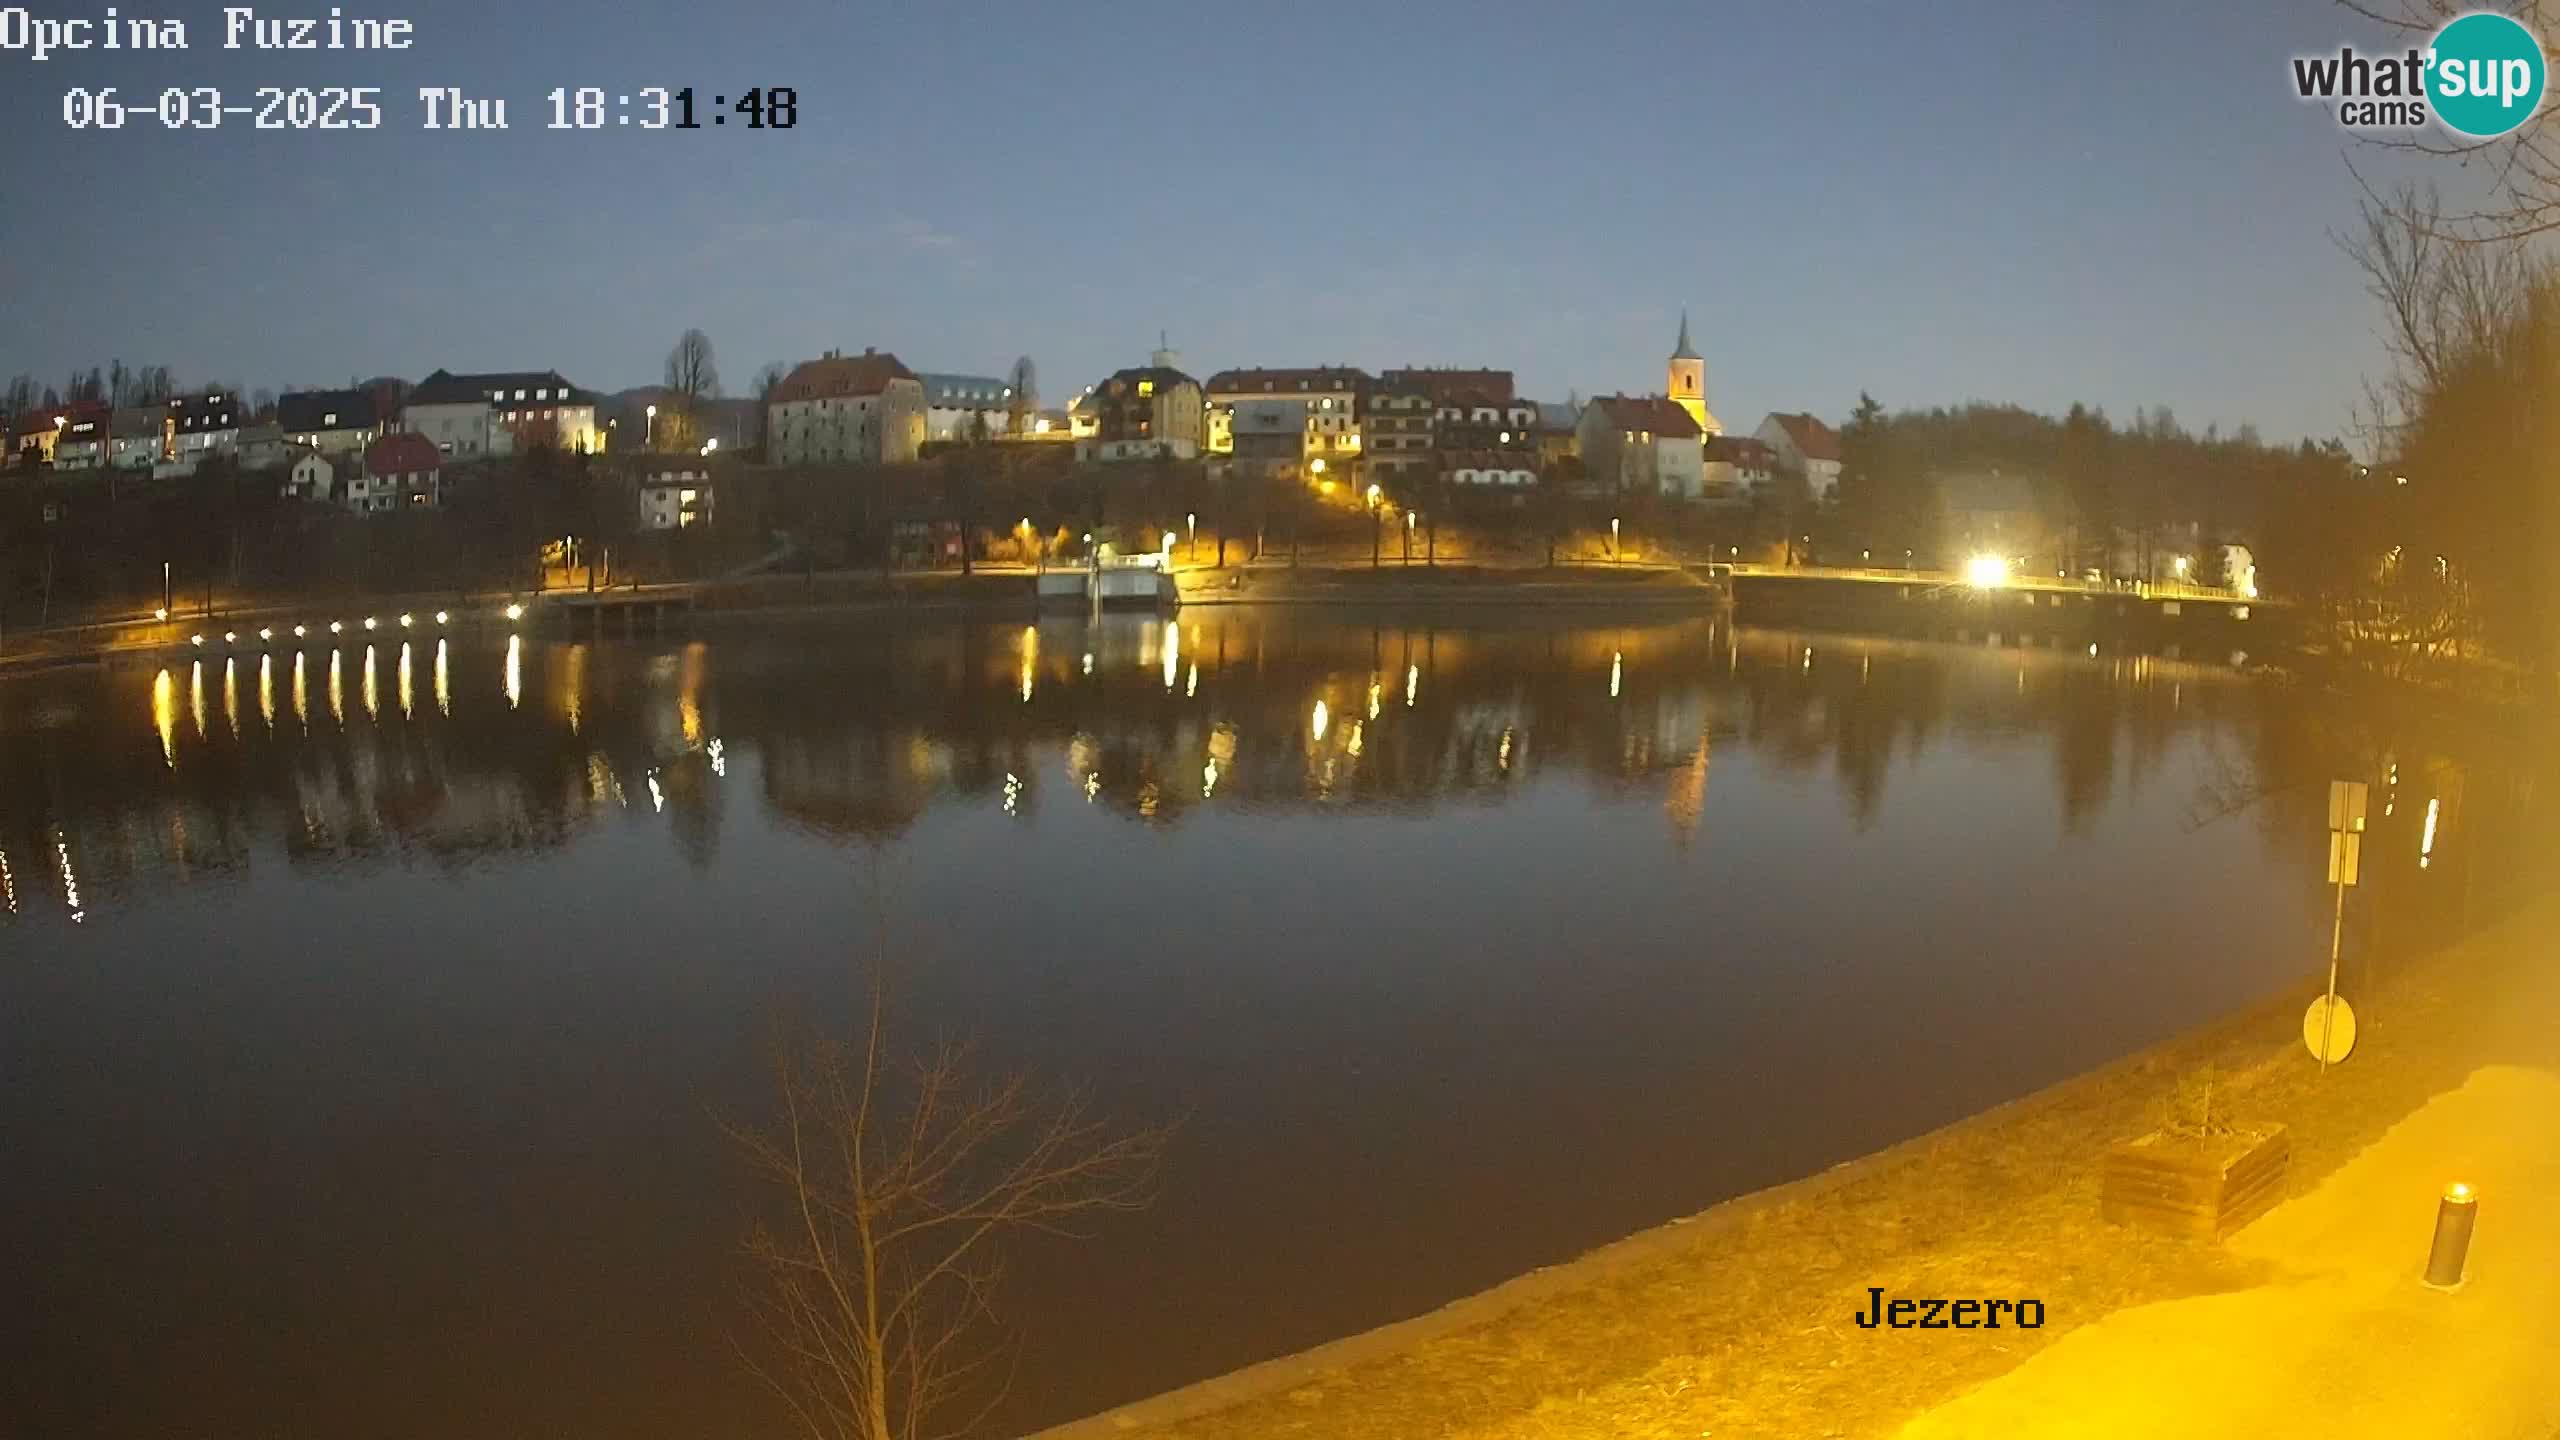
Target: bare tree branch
x=898, y=1181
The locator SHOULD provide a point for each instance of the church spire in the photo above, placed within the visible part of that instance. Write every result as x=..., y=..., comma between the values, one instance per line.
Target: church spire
x=1684, y=352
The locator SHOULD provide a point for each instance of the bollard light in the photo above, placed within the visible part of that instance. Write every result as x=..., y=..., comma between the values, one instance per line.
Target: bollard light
x=2450, y=1252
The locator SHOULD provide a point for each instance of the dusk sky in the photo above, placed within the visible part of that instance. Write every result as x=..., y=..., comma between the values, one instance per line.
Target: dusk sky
x=1989, y=199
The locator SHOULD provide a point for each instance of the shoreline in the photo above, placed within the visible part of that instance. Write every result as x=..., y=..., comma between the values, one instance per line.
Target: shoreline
x=1750, y=1260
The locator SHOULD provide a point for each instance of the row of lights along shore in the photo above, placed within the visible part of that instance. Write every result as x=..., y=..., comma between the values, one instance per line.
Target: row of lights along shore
x=267, y=633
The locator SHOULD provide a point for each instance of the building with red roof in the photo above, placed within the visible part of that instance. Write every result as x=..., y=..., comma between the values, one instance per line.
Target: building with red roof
x=1646, y=444
x=401, y=470
x=1806, y=446
x=865, y=408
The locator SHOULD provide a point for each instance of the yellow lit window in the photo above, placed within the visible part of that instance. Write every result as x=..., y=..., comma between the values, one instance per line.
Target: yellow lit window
x=1146, y=387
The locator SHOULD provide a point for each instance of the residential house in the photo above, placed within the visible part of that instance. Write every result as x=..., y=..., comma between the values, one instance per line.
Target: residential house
x=334, y=422
x=203, y=424
x=401, y=470
x=1332, y=394
x=264, y=447
x=1271, y=437
x=675, y=499
x=1808, y=447
x=1645, y=444
x=958, y=407
x=140, y=436
x=312, y=477
x=865, y=408
x=1481, y=422
x=1738, y=468
x=475, y=416
x=1147, y=412
x=1395, y=435
x=83, y=437
x=1514, y=468
x=1559, y=431
x=1444, y=384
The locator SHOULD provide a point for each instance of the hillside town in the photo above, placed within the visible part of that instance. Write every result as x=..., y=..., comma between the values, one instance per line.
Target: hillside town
x=925, y=469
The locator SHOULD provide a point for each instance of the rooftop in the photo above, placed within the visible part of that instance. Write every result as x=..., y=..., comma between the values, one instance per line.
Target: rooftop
x=835, y=375
x=1652, y=413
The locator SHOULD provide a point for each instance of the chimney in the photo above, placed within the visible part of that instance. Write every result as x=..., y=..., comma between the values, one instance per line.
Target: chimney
x=867, y=350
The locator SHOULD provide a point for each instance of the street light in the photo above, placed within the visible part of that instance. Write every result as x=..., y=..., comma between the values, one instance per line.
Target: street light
x=1614, y=552
x=1374, y=520
x=1193, y=520
x=649, y=436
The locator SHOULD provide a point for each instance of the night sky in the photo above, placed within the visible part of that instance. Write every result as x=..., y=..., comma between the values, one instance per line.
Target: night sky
x=2004, y=199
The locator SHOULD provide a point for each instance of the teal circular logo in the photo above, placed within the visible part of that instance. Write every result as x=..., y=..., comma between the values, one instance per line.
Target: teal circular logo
x=2484, y=75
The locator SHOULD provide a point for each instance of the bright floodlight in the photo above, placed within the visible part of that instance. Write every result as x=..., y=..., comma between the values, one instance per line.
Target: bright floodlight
x=515, y=612
x=1987, y=572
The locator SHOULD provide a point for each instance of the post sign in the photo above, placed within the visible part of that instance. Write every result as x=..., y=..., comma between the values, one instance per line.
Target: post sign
x=2329, y=1030
x=2344, y=849
x=2346, y=810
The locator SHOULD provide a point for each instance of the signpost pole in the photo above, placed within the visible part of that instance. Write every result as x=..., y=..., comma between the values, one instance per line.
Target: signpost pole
x=2329, y=1012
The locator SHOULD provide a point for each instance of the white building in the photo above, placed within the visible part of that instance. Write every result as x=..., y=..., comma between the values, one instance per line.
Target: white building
x=675, y=499
x=1808, y=447
x=141, y=437
x=202, y=424
x=865, y=408
x=1491, y=469
x=955, y=404
x=400, y=471
x=1645, y=444
x=1738, y=468
x=1331, y=392
x=311, y=477
x=475, y=416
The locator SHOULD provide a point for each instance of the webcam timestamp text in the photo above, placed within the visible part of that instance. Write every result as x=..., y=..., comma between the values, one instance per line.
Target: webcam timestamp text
x=437, y=107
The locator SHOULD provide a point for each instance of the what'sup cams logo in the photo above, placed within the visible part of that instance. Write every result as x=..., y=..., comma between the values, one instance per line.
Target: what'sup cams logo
x=2480, y=77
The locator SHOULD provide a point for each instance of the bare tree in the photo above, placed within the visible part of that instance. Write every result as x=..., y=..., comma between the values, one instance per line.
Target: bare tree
x=2442, y=299
x=2521, y=167
x=897, y=1183
x=692, y=372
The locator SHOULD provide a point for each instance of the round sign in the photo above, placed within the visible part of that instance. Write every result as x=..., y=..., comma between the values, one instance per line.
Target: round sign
x=2330, y=1034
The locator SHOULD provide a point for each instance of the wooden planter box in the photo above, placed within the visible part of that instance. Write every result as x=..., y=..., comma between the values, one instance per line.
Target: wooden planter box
x=2202, y=1187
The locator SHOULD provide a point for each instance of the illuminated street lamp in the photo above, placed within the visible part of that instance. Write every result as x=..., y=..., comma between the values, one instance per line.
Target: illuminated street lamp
x=1614, y=552
x=1193, y=520
x=649, y=436
x=1374, y=520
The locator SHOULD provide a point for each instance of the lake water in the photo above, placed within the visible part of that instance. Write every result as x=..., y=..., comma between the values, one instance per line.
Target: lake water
x=367, y=1018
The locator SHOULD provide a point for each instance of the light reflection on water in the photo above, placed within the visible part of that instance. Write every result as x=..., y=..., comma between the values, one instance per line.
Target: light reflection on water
x=1505, y=965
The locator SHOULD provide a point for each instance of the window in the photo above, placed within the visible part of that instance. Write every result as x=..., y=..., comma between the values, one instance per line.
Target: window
x=542, y=394
x=329, y=419
x=1146, y=387
x=519, y=392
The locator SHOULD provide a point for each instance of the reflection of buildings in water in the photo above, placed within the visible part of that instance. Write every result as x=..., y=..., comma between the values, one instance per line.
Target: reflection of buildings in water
x=1269, y=714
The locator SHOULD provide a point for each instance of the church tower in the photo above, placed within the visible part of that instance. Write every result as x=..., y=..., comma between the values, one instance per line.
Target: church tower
x=1687, y=381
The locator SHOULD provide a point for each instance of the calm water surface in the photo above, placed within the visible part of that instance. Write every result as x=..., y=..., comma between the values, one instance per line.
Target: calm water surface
x=366, y=1016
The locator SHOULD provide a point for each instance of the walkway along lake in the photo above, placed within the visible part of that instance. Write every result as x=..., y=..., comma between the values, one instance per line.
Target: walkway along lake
x=366, y=1014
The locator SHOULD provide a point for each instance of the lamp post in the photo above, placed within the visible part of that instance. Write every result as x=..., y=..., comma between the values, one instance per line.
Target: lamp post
x=649, y=435
x=1614, y=552
x=1408, y=537
x=1193, y=520
x=1374, y=536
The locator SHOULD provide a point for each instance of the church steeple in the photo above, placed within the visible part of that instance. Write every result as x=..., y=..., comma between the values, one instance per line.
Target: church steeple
x=1685, y=381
